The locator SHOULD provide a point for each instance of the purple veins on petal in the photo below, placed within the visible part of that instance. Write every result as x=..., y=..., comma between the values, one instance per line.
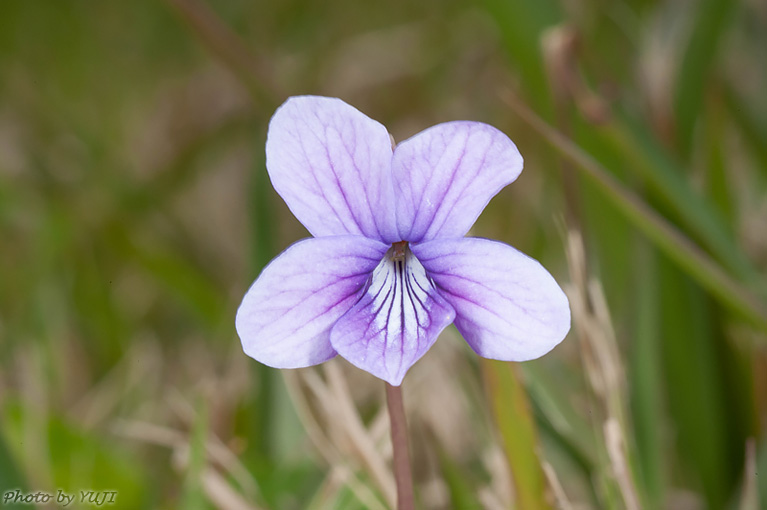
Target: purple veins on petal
x=507, y=305
x=284, y=320
x=358, y=288
x=445, y=176
x=331, y=164
x=395, y=321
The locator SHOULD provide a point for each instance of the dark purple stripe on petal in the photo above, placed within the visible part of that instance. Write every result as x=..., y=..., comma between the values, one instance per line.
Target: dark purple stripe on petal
x=395, y=322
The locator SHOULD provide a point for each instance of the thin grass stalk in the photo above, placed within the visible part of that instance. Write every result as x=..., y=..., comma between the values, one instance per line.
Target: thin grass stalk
x=678, y=247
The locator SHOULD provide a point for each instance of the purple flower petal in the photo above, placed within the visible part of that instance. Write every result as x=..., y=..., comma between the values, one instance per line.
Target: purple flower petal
x=332, y=166
x=285, y=318
x=396, y=320
x=445, y=175
x=508, y=307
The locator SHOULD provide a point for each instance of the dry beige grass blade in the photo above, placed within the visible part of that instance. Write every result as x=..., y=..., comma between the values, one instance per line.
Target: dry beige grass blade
x=327, y=450
x=35, y=414
x=603, y=367
x=749, y=499
x=561, y=45
x=608, y=356
x=341, y=476
x=215, y=487
x=148, y=433
x=171, y=438
x=358, y=434
x=138, y=367
x=217, y=452
x=327, y=404
x=601, y=362
x=556, y=487
x=437, y=398
x=324, y=409
x=500, y=487
x=306, y=416
x=616, y=448
x=379, y=432
x=221, y=493
x=434, y=492
x=490, y=500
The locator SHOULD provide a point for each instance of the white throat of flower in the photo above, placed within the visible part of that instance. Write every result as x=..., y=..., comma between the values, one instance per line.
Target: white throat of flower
x=400, y=288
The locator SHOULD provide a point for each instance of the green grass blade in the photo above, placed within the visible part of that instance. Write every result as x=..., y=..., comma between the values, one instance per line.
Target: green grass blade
x=754, y=132
x=761, y=467
x=522, y=24
x=667, y=180
x=11, y=478
x=646, y=381
x=515, y=423
x=263, y=250
x=193, y=496
x=666, y=237
x=718, y=185
x=462, y=494
x=694, y=384
x=556, y=415
x=182, y=279
x=710, y=23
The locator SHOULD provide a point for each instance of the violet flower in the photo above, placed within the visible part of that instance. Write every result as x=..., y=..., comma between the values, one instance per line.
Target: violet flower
x=389, y=267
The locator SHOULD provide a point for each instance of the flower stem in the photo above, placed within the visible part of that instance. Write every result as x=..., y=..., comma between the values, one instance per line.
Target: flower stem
x=401, y=462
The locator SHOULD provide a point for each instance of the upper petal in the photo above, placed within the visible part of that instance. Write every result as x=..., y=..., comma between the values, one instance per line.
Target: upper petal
x=332, y=166
x=285, y=318
x=396, y=320
x=508, y=307
x=445, y=176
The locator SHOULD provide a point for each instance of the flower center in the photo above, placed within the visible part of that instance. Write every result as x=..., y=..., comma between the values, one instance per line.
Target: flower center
x=398, y=253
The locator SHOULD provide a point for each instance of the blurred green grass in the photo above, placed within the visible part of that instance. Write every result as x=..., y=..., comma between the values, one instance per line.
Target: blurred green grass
x=135, y=210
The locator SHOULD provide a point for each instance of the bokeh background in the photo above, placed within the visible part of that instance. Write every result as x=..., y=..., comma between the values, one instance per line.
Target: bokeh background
x=135, y=211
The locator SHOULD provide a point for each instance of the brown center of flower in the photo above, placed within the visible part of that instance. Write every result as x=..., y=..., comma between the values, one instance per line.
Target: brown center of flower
x=399, y=250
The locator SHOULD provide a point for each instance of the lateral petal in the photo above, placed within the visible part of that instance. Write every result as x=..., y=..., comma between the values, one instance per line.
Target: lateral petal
x=445, y=176
x=396, y=320
x=508, y=307
x=285, y=318
x=332, y=166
